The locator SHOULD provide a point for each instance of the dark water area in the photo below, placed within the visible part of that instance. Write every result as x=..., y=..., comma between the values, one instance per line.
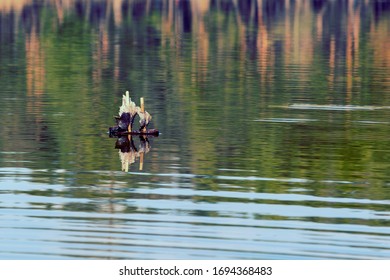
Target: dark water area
x=274, y=120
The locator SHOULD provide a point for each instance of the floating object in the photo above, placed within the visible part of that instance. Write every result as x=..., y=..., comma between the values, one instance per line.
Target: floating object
x=124, y=131
x=127, y=113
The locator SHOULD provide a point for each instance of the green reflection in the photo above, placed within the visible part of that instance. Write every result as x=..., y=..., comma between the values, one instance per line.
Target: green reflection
x=211, y=73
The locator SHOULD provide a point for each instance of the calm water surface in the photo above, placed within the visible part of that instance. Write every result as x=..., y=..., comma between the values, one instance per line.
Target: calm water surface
x=274, y=120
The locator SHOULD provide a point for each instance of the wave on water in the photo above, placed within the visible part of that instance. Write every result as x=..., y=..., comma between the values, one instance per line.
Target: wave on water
x=332, y=107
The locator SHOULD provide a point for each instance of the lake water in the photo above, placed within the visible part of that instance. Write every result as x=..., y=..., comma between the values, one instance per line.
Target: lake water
x=274, y=120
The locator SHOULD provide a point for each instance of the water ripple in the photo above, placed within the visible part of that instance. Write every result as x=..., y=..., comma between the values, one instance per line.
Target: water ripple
x=146, y=219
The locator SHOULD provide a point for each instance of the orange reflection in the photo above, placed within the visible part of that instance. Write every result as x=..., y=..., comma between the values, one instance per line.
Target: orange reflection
x=352, y=48
x=252, y=28
x=35, y=69
x=17, y=6
x=332, y=63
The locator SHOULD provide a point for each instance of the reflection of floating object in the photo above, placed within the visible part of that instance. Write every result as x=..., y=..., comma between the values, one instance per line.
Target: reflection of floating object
x=127, y=113
x=128, y=153
x=332, y=107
